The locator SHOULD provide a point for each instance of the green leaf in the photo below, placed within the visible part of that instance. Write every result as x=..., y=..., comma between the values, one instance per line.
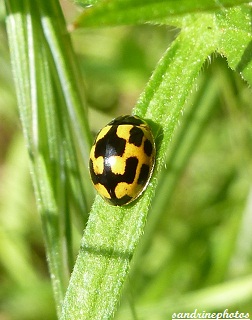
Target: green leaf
x=123, y=12
x=235, y=39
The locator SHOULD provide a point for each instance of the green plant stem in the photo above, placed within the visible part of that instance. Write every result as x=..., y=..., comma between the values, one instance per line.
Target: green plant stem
x=50, y=99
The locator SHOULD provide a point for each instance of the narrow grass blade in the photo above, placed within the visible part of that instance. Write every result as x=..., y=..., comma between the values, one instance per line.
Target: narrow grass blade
x=50, y=98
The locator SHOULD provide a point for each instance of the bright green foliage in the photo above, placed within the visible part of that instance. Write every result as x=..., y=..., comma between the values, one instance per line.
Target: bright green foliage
x=54, y=119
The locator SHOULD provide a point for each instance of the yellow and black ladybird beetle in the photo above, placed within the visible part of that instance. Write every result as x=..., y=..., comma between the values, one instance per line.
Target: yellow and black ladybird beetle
x=122, y=159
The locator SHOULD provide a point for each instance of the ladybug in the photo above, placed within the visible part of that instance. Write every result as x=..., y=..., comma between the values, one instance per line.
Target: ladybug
x=122, y=159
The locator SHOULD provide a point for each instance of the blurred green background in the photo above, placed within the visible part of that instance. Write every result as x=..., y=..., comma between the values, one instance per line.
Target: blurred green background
x=205, y=238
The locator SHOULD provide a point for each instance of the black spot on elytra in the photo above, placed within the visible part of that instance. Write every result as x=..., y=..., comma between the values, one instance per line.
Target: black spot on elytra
x=120, y=202
x=136, y=136
x=144, y=174
x=130, y=170
x=148, y=147
x=110, y=145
